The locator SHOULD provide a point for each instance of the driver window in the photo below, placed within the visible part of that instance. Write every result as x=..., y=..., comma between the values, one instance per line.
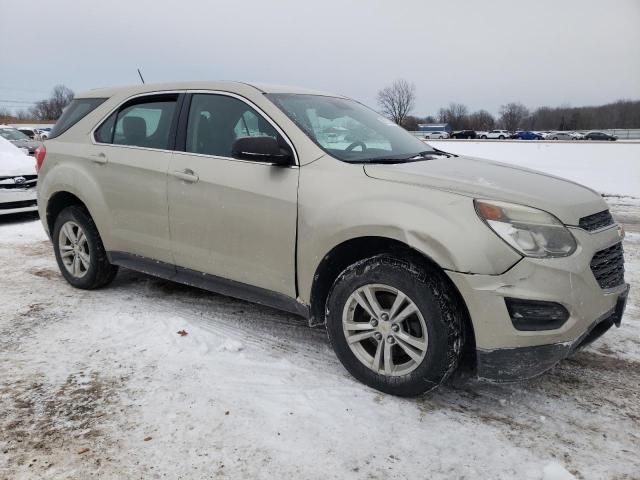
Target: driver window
x=216, y=121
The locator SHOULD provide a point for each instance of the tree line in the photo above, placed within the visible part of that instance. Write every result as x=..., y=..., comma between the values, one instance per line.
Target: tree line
x=46, y=109
x=397, y=102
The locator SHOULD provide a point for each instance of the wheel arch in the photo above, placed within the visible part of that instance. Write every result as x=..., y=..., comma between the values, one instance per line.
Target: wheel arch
x=58, y=202
x=355, y=249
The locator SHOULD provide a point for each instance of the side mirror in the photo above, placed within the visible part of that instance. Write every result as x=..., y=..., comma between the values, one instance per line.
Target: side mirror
x=260, y=149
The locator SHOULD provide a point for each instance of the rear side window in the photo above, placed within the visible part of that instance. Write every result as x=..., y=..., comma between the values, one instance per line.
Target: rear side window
x=75, y=111
x=143, y=122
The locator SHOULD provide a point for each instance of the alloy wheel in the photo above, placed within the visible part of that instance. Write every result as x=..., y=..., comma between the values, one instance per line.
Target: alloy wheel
x=74, y=249
x=385, y=330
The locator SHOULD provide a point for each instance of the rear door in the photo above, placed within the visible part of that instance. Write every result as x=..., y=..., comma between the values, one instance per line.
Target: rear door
x=131, y=157
x=231, y=218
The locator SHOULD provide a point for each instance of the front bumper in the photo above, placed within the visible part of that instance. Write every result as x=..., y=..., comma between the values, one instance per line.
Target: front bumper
x=505, y=353
x=513, y=364
x=18, y=200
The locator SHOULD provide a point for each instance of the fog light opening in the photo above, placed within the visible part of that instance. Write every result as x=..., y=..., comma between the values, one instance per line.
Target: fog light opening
x=535, y=315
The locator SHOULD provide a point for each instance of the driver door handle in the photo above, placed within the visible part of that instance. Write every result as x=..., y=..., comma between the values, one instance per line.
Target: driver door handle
x=187, y=175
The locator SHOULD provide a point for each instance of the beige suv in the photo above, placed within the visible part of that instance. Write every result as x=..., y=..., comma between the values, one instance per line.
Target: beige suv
x=312, y=203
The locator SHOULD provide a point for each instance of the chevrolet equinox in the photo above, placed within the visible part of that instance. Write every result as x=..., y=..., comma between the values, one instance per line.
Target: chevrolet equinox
x=314, y=204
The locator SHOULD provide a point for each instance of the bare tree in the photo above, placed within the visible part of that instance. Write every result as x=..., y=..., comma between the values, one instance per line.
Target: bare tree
x=5, y=115
x=512, y=115
x=52, y=107
x=398, y=100
x=455, y=115
x=481, y=120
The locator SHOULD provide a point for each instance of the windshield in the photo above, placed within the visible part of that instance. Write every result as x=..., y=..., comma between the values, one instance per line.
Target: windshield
x=349, y=131
x=13, y=134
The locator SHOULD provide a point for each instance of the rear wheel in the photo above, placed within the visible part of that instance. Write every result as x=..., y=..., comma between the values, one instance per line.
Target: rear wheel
x=394, y=325
x=79, y=251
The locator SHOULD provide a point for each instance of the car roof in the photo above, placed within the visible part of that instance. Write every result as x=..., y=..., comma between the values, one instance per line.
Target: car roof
x=199, y=85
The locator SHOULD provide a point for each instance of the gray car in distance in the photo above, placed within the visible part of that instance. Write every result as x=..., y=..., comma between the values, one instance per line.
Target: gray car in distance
x=410, y=262
x=560, y=136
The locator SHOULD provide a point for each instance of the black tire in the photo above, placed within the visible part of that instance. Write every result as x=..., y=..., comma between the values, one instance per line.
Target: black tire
x=501, y=137
x=430, y=292
x=100, y=272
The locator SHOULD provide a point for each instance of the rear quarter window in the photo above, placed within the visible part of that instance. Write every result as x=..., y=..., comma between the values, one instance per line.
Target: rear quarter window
x=75, y=111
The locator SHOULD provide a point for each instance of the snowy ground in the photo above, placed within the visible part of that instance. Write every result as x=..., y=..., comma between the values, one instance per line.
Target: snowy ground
x=609, y=167
x=100, y=384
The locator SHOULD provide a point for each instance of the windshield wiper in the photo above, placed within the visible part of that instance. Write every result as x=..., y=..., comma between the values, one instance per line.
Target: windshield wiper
x=426, y=155
x=443, y=153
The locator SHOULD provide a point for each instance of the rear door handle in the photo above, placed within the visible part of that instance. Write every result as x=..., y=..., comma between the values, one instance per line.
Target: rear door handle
x=99, y=158
x=187, y=175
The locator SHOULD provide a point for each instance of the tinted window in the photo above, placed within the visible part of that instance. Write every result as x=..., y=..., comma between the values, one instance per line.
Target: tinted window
x=73, y=113
x=104, y=133
x=216, y=121
x=145, y=123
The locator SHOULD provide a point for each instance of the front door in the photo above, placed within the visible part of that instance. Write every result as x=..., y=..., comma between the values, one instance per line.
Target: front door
x=231, y=218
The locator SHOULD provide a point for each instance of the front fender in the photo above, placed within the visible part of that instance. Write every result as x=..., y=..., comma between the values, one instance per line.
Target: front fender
x=338, y=202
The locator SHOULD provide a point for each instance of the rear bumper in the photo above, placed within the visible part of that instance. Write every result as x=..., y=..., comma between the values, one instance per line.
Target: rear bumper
x=17, y=200
x=514, y=364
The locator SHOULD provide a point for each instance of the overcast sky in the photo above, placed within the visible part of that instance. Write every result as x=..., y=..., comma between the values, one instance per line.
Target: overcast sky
x=480, y=53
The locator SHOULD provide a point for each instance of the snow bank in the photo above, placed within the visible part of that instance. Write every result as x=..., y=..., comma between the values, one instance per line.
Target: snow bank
x=14, y=161
x=610, y=168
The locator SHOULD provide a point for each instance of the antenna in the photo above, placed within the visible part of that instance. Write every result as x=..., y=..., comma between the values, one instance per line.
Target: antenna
x=142, y=79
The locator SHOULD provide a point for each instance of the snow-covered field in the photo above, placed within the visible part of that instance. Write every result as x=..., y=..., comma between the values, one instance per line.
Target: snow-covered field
x=609, y=167
x=100, y=384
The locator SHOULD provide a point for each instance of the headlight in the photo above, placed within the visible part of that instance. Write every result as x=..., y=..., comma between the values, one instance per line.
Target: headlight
x=530, y=231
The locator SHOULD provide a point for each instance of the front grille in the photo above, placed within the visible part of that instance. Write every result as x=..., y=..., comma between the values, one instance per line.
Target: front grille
x=18, y=182
x=22, y=204
x=608, y=266
x=596, y=221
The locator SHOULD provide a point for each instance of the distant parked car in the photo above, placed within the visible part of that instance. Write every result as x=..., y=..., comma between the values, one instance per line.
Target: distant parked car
x=496, y=134
x=464, y=134
x=560, y=136
x=44, y=133
x=428, y=135
x=600, y=136
x=32, y=133
x=577, y=135
x=526, y=135
x=19, y=139
x=17, y=180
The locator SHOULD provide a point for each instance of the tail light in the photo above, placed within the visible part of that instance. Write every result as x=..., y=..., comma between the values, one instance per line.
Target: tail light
x=40, y=153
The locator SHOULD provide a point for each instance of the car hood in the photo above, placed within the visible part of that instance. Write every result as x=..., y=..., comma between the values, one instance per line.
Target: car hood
x=488, y=180
x=14, y=162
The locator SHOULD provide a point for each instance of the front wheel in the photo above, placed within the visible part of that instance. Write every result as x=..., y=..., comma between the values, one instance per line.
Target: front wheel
x=79, y=250
x=395, y=325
